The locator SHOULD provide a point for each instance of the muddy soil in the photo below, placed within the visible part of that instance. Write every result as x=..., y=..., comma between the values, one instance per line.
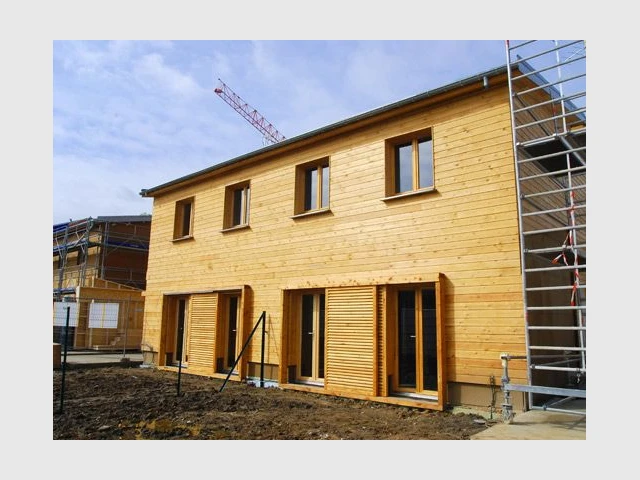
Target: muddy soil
x=111, y=403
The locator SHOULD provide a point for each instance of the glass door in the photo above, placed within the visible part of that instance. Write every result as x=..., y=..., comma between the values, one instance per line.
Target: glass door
x=231, y=331
x=416, y=358
x=179, y=347
x=407, y=339
x=312, y=337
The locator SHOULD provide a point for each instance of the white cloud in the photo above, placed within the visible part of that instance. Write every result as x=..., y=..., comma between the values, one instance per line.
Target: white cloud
x=161, y=44
x=371, y=71
x=152, y=73
x=265, y=64
x=93, y=58
x=220, y=66
x=91, y=187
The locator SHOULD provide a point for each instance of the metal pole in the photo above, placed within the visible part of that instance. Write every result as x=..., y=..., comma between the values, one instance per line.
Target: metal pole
x=507, y=408
x=263, y=316
x=84, y=246
x=64, y=361
x=63, y=260
x=126, y=324
x=181, y=333
x=523, y=245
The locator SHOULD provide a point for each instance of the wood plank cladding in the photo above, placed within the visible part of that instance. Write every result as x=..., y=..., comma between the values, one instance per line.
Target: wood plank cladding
x=202, y=332
x=350, y=337
x=466, y=229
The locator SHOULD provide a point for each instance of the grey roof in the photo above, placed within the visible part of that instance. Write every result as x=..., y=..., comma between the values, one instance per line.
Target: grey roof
x=124, y=218
x=104, y=219
x=148, y=192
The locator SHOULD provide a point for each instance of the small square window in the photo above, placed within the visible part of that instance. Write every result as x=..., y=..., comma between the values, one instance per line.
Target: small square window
x=312, y=186
x=236, y=205
x=409, y=163
x=183, y=221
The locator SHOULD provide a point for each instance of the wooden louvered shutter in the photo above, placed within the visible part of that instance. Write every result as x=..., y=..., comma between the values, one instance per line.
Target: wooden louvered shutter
x=202, y=332
x=350, y=339
x=382, y=344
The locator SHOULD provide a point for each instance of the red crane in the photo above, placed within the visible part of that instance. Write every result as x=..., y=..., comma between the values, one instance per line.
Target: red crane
x=269, y=132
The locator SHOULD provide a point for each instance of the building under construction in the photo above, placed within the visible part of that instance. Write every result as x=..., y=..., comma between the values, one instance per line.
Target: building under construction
x=99, y=274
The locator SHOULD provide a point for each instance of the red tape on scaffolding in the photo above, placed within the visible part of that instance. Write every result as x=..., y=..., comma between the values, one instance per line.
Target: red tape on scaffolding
x=569, y=244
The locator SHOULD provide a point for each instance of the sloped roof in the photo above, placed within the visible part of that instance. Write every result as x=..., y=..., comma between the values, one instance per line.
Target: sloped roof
x=124, y=218
x=104, y=219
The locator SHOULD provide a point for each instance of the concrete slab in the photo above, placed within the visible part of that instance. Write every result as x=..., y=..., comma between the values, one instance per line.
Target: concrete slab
x=78, y=359
x=538, y=425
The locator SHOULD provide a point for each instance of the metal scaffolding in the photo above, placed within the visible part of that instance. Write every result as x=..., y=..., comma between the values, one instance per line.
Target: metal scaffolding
x=547, y=89
x=90, y=242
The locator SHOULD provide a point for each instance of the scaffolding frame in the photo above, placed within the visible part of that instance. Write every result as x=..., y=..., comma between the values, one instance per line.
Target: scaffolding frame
x=547, y=92
x=81, y=236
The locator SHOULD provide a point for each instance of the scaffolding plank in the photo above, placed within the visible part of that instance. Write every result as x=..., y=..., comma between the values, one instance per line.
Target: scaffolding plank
x=566, y=392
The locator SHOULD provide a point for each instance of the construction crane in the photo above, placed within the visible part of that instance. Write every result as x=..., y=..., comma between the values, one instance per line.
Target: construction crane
x=269, y=133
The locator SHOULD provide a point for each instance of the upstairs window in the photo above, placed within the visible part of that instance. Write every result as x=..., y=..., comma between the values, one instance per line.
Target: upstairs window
x=312, y=186
x=183, y=221
x=236, y=210
x=409, y=163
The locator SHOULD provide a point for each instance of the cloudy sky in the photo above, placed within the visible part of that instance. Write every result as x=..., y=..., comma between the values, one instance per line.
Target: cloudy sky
x=129, y=115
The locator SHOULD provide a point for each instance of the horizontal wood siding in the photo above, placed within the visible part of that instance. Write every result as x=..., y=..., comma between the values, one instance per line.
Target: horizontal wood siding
x=202, y=332
x=467, y=229
x=350, y=326
x=152, y=323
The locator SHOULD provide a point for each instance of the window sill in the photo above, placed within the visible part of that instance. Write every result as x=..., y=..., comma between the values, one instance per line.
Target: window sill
x=182, y=239
x=235, y=228
x=320, y=211
x=413, y=193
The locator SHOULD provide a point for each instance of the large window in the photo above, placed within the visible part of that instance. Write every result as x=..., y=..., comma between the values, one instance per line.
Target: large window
x=409, y=163
x=236, y=210
x=416, y=333
x=183, y=221
x=312, y=186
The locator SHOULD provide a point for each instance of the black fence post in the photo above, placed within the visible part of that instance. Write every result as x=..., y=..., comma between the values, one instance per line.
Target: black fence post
x=179, y=355
x=264, y=321
x=64, y=360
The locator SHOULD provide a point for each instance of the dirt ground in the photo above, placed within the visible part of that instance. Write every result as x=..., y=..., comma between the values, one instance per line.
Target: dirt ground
x=111, y=403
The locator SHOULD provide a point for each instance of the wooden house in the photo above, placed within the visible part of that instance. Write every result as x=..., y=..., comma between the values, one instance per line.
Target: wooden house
x=384, y=251
x=99, y=272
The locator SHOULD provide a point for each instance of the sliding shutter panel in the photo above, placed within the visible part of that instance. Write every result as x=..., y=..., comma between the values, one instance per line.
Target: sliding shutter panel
x=381, y=348
x=202, y=332
x=350, y=339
